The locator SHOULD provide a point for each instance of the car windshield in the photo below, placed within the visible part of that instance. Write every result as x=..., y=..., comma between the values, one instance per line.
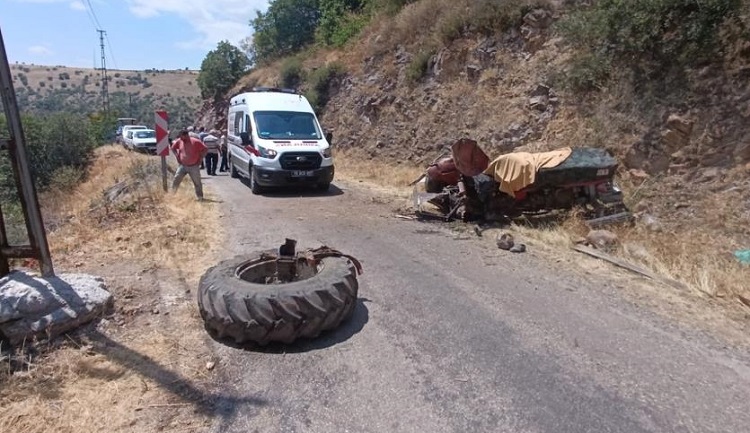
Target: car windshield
x=145, y=134
x=286, y=125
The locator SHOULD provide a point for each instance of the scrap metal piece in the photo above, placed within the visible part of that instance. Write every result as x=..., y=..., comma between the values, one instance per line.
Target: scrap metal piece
x=609, y=219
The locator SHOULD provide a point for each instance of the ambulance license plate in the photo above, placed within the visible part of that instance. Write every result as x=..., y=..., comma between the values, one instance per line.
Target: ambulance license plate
x=302, y=173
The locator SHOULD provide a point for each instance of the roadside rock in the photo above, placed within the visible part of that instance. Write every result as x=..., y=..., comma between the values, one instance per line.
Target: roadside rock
x=601, y=239
x=638, y=176
x=677, y=134
x=505, y=241
x=34, y=306
x=651, y=223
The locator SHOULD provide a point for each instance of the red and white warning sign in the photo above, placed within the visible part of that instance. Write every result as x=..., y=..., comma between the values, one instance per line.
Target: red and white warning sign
x=162, y=128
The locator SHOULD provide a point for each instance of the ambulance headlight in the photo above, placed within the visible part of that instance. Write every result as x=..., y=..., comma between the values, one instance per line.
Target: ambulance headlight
x=267, y=153
x=327, y=152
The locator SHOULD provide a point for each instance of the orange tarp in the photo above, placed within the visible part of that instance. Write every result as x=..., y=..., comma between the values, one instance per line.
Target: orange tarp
x=515, y=171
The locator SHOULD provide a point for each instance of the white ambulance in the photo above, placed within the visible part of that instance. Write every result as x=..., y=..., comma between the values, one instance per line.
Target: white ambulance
x=274, y=139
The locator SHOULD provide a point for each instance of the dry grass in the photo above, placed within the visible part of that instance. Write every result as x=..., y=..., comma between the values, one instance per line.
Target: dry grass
x=356, y=166
x=147, y=225
x=136, y=371
x=87, y=386
x=691, y=257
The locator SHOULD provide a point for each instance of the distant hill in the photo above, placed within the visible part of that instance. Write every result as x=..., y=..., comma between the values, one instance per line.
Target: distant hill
x=45, y=89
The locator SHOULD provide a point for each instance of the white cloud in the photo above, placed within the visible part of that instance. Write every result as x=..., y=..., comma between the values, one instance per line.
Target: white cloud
x=75, y=4
x=213, y=20
x=40, y=50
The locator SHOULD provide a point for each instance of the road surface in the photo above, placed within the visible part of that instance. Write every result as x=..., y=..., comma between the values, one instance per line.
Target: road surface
x=452, y=335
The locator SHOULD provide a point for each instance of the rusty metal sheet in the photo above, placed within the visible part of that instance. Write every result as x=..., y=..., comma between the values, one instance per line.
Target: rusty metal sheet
x=469, y=158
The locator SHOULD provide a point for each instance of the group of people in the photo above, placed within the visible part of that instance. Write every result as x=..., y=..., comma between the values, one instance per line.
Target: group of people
x=198, y=150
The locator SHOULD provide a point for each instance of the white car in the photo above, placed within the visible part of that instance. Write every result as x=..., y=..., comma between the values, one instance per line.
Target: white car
x=141, y=140
x=125, y=130
x=274, y=139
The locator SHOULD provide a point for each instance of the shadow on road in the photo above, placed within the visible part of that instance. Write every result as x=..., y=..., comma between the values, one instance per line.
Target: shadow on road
x=297, y=191
x=327, y=339
x=214, y=404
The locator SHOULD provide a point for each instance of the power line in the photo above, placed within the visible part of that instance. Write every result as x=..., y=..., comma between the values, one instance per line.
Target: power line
x=111, y=54
x=96, y=20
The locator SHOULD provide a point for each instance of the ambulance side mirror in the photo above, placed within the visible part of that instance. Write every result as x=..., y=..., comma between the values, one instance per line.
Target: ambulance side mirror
x=245, y=137
x=329, y=137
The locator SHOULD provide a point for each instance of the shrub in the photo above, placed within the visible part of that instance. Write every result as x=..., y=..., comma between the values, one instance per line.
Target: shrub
x=587, y=72
x=290, y=74
x=653, y=38
x=340, y=20
x=319, y=84
x=390, y=7
x=59, y=146
x=418, y=66
x=65, y=179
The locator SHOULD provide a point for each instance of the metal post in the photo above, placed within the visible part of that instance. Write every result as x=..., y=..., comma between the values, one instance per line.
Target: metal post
x=21, y=172
x=164, y=173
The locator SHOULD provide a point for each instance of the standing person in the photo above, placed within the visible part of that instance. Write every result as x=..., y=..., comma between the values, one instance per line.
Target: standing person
x=192, y=133
x=223, y=146
x=211, y=141
x=202, y=133
x=189, y=152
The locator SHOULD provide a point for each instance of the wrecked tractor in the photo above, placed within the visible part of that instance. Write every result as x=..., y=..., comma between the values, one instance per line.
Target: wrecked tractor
x=468, y=186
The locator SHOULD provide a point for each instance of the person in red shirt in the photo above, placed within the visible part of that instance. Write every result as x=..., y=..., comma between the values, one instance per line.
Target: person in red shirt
x=189, y=152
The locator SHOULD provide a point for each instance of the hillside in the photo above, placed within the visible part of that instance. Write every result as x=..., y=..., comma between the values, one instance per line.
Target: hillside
x=49, y=89
x=413, y=82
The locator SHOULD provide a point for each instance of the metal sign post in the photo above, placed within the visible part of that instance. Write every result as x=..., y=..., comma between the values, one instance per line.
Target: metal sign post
x=38, y=248
x=162, y=143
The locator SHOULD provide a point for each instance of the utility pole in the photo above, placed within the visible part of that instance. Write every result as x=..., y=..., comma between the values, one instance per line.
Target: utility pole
x=104, y=79
x=38, y=247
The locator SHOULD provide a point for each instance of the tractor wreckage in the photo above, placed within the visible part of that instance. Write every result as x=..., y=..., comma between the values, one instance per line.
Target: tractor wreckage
x=466, y=185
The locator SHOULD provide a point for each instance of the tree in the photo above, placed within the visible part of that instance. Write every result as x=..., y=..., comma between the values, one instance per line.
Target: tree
x=221, y=69
x=333, y=28
x=247, y=47
x=286, y=27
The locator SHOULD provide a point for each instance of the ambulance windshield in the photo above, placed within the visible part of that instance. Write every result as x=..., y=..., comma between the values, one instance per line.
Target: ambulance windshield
x=286, y=125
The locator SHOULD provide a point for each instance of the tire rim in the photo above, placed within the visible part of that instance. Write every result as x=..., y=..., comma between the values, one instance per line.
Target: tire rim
x=274, y=271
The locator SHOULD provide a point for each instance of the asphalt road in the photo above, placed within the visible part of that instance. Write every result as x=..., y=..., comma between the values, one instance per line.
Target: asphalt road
x=452, y=335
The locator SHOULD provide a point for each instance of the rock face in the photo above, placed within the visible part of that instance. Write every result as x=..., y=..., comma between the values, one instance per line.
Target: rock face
x=34, y=306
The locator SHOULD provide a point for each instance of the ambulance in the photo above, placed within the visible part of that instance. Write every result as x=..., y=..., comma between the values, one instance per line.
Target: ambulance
x=274, y=139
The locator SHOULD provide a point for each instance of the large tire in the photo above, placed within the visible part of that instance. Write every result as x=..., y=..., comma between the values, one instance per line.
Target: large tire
x=233, y=173
x=236, y=309
x=254, y=187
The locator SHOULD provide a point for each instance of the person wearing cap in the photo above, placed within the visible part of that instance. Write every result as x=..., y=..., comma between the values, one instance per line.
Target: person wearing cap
x=211, y=140
x=189, y=152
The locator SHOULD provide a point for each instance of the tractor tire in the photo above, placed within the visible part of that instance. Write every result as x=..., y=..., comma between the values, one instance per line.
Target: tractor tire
x=243, y=311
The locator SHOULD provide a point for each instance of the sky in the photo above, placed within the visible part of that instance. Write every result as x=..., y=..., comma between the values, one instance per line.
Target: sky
x=140, y=34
